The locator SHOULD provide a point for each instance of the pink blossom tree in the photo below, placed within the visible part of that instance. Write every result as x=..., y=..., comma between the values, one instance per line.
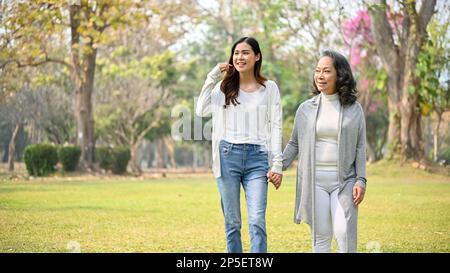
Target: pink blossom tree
x=366, y=66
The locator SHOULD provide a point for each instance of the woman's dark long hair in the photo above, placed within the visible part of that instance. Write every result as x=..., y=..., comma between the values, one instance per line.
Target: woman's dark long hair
x=345, y=82
x=230, y=83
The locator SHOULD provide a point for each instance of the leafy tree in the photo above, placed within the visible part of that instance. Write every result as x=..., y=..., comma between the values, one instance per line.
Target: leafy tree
x=36, y=32
x=137, y=79
x=398, y=47
x=371, y=79
x=433, y=66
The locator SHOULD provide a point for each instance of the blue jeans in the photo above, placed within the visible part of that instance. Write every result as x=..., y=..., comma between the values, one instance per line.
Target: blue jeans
x=244, y=164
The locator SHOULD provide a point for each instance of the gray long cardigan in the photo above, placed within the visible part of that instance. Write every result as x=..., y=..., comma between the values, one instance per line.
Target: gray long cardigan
x=351, y=162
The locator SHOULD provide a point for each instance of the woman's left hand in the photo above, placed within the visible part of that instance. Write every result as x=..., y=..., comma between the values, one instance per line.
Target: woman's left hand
x=275, y=178
x=358, y=195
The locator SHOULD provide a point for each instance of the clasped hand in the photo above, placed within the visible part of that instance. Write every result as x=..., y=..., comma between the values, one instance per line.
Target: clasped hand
x=275, y=178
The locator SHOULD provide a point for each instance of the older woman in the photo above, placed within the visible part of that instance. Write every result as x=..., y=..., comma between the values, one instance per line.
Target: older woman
x=329, y=139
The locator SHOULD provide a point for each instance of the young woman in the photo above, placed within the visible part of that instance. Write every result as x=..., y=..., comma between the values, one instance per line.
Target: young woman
x=246, y=139
x=329, y=139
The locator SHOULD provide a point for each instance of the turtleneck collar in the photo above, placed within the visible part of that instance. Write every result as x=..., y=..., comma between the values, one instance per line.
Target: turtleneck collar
x=332, y=97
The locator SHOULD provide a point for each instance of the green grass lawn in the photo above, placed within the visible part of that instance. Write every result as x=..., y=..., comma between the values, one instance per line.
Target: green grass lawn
x=405, y=210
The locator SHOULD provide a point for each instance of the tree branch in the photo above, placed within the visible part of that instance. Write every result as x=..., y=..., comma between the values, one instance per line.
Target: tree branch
x=74, y=14
x=154, y=123
x=425, y=14
x=219, y=19
x=122, y=136
x=383, y=35
x=36, y=63
x=155, y=105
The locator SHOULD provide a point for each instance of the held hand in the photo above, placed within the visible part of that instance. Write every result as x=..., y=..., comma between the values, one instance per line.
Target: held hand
x=275, y=179
x=225, y=67
x=358, y=195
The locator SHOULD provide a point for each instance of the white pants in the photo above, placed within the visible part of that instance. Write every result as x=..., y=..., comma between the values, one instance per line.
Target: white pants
x=329, y=214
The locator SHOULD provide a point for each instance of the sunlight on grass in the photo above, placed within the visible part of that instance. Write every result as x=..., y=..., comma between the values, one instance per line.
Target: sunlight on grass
x=405, y=210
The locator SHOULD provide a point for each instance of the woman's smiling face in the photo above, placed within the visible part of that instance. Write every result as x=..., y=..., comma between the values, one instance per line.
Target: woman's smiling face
x=244, y=57
x=325, y=76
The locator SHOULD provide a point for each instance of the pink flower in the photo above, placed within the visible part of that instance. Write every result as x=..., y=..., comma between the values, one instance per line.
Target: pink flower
x=373, y=107
x=355, y=57
x=358, y=26
x=364, y=84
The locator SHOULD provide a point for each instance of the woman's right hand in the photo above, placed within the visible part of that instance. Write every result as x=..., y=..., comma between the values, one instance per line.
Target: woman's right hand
x=275, y=179
x=225, y=67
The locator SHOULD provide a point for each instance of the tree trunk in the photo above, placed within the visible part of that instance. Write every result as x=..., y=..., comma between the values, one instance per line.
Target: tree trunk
x=84, y=116
x=206, y=157
x=399, y=59
x=83, y=80
x=371, y=156
x=393, y=138
x=391, y=60
x=159, y=154
x=135, y=164
x=428, y=135
x=151, y=154
x=436, y=138
x=170, y=147
x=195, y=156
x=410, y=132
x=12, y=147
